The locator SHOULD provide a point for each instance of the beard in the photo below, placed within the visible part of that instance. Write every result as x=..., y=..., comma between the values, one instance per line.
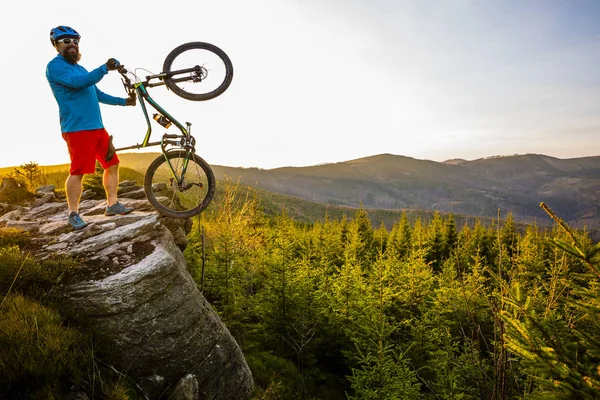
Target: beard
x=72, y=57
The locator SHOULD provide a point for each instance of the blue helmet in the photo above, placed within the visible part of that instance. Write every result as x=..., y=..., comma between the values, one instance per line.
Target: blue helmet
x=62, y=31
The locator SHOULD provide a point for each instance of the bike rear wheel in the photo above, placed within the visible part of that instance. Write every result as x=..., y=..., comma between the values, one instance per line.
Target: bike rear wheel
x=179, y=201
x=212, y=77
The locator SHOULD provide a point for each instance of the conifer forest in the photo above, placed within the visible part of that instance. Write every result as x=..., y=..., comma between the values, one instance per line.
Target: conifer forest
x=341, y=309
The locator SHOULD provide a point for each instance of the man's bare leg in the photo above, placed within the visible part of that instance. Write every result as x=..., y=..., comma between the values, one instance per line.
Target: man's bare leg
x=110, y=180
x=74, y=187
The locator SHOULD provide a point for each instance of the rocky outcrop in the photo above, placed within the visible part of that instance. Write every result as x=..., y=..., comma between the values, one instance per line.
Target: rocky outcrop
x=132, y=287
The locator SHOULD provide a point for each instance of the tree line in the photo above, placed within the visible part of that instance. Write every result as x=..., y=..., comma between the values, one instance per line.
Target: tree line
x=341, y=309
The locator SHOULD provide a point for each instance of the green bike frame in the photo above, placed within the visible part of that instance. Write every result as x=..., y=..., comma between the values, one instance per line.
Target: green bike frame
x=186, y=141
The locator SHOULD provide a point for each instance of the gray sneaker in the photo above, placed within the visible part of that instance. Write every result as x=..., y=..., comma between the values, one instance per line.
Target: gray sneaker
x=117, y=209
x=76, y=222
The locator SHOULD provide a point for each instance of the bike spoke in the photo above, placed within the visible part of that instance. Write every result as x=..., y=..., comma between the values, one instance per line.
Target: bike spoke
x=174, y=195
x=212, y=71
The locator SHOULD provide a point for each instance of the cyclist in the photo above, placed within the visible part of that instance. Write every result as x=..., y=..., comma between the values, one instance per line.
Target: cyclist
x=79, y=99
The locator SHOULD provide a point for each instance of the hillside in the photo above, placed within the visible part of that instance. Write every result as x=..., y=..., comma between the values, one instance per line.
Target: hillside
x=391, y=183
x=480, y=188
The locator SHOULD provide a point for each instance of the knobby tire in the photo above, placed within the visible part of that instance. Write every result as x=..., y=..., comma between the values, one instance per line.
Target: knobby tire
x=164, y=196
x=183, y=89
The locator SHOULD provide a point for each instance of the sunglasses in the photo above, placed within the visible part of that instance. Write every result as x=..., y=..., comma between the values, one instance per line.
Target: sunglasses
x=69, y=41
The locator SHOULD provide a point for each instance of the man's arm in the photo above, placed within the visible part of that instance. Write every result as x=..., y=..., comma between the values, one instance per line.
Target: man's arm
x=108, y=99
x=61, y=73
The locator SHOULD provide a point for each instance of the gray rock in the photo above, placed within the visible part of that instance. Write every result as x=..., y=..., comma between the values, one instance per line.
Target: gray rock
x=46, y=197
x=4, y=208
x=128, y=188
x=127, y=183
x=153, y=385
x=186, y=389
x=178, y=229
x=87, y=194
x=160, y=323
x=45, y=189
x=134, y=194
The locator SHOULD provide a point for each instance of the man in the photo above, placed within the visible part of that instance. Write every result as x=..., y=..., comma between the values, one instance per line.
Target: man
x=79, y=99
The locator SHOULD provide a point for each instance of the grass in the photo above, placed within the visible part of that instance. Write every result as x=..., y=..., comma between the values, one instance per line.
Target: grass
x=39, y=353
x=56, y=175
x=42, y=354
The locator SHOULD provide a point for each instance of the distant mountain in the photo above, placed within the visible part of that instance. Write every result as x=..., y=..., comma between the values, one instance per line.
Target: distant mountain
x=479, y=188
x=518, y=183
x=455, y=161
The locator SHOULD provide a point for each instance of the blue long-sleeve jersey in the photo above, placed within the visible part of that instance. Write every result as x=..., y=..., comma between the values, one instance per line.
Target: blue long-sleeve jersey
x=78, y=98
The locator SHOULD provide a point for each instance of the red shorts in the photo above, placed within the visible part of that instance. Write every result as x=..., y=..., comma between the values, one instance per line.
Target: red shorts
x=85, y=147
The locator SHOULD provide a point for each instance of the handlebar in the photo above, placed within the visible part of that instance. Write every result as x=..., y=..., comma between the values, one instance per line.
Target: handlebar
x=126, y=81
x=193, y=74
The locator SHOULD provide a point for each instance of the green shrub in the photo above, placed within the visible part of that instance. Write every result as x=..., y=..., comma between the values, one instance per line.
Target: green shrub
x=38, y=354
x=22, y=273
x=14, y=191
x=13, y=236
x=56, y=178
x=274, y=373
x=128, y=174
x=94, y=181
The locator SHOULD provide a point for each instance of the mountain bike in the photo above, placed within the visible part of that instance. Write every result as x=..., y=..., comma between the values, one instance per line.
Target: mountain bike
x=179, y=183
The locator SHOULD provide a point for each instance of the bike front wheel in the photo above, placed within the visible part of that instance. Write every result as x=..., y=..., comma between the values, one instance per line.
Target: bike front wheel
x=211, y=75
x=173, y=196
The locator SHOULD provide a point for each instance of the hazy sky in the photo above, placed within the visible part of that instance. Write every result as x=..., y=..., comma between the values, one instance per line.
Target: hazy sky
x=320, y=81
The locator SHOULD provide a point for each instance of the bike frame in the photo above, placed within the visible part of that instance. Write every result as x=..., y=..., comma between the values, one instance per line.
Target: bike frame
x=186, y=140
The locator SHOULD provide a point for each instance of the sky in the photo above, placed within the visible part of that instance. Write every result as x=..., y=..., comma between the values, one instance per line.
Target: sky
x=324, y=81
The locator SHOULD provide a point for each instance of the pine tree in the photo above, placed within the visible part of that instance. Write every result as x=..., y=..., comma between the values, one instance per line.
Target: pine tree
x=362, y=241
x=509, y=236
x=234, y=234
x=382, y=370
x=399, y=239
x=93, y=182
x=31, y=172
x=449, y=237
x=380, y=238
x=560, y=348
x=435, y=242
x=418, y=238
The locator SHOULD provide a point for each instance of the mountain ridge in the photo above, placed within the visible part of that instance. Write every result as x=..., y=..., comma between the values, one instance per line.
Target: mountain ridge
x=482, y=187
